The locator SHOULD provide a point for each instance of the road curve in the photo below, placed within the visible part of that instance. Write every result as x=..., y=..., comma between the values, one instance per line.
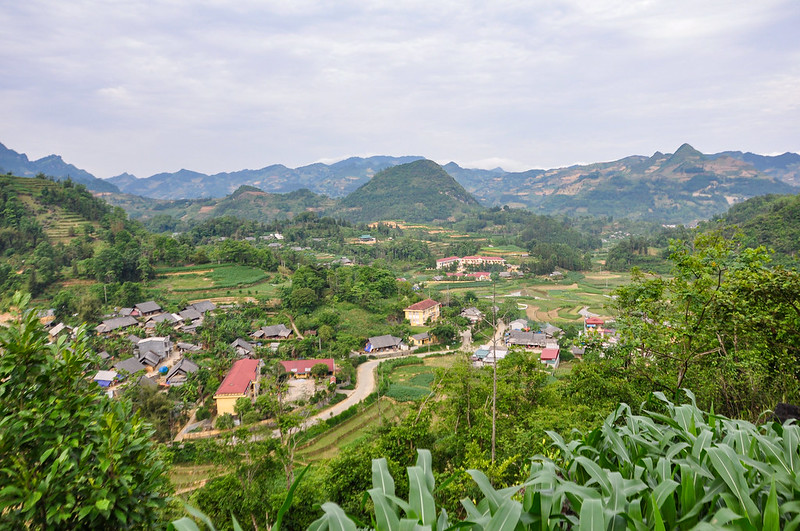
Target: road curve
x=365, y=386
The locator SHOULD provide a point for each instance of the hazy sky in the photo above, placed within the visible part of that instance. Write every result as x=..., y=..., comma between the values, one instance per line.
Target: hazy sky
x=216, y=85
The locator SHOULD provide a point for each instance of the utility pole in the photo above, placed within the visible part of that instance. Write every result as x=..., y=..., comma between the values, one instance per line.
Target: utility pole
x=494, y=369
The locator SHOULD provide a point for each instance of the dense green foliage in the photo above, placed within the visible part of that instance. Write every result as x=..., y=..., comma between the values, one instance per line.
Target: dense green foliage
x=726, y=324
x=70, y=458
x=770, y=220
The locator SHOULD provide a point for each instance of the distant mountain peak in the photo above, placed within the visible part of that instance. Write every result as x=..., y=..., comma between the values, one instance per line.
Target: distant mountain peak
x=685, y=153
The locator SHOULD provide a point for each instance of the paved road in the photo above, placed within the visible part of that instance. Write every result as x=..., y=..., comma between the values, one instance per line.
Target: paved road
x=365, y=386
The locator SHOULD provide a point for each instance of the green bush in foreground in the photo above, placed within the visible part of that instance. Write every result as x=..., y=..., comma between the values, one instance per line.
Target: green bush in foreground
x=70, y=458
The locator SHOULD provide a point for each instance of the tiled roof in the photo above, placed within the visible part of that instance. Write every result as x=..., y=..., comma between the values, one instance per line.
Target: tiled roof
x=423, y=305
x=304, y=366
x=148, y=307
x=549, y=354
x=238, y=378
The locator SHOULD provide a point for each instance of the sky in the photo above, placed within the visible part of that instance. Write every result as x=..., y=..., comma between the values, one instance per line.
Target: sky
x=217, y=85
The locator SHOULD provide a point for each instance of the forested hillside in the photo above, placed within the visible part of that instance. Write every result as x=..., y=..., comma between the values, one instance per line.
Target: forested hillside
x=771, y=220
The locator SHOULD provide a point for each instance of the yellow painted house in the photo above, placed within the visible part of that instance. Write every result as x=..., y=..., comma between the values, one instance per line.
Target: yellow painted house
x=240, y=382
x=422, y=312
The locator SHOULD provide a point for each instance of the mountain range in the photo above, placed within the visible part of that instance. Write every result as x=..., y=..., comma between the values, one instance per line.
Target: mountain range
x=672, y=187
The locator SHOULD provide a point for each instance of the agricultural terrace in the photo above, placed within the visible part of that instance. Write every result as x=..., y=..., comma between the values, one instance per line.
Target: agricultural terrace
x=214, y=281
x=547, y=300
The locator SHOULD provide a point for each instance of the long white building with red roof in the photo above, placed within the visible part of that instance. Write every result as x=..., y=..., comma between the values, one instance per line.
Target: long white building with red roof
x=469, y=260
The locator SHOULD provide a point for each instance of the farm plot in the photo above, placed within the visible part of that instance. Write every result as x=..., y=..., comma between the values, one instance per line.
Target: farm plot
x=209, y=281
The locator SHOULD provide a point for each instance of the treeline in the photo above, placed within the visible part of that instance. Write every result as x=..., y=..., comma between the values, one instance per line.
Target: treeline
x=649, y=252
x=526, y=229
x=549, y=256
x=75, y=198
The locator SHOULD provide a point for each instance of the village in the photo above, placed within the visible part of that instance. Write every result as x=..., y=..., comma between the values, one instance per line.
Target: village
x=163, y=359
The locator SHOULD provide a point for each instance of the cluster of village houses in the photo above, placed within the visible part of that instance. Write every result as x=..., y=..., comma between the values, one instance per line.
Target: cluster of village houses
x=157, y=362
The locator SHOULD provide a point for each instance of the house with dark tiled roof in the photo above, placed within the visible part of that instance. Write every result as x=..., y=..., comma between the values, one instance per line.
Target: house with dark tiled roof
x=243, y=348
x=147, y=308
x=384, y=343
x=180, y=371
x=116, y=323
x=202, y=306
x=189, y=315
x=279, y=331
x=423, y=338
x=130, y=365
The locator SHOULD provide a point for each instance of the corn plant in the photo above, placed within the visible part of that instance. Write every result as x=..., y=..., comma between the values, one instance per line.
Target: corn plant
x=682, y=470
x=685, y=469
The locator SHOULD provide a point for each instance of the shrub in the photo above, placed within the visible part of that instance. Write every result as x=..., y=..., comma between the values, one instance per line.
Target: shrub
x=224, y=422
x=203, y=413
x=251, y=417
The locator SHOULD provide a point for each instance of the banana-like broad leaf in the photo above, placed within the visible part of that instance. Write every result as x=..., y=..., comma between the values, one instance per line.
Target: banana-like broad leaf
x=474, y=514
x=442, y=522
x=616, y=443
x=597, y=474
x=772, y=515
x=183, y=524
x=337, y=520
x=409, y=524
x=200, y=516
x=726, y=463
x=791, y=439
x=425, y=462
x=287, y=502
x=658, y=522
x=592, y=518
x=488, y=491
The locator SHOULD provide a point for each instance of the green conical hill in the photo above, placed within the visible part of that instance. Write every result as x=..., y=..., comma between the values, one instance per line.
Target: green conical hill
x=418, y=191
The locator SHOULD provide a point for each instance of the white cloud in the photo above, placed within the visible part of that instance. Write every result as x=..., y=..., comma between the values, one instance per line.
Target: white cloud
x=218, y=85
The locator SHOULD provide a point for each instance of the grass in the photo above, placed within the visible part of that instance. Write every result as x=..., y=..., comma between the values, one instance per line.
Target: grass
x=186, y=478
x=350, y=432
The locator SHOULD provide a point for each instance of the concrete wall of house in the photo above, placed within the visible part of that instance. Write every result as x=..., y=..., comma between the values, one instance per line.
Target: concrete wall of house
x=225, y=404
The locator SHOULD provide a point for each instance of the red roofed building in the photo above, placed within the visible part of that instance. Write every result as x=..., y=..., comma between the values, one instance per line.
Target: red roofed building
x=302, y=368
x=444, y=262
x=593, y=322
x=421, y=312
x=550, y=356
x=240, y=382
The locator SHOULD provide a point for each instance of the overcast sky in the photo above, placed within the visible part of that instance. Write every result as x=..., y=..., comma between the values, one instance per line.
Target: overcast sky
x=216, y=85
